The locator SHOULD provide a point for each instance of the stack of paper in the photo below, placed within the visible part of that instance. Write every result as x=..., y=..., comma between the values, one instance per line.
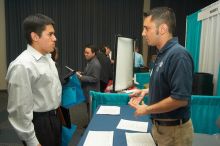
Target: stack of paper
x=139, y=139
x=133, y=125
x=99, y=138
x=109, y=110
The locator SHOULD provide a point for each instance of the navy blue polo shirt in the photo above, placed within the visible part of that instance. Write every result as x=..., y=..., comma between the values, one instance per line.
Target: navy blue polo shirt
x=172, y=76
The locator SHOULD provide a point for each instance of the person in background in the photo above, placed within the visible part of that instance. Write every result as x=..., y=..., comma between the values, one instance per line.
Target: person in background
x=139, y=62
x=170, y=84
x=90, y=78
x=108, y=53
x=106, y=69
x=34, y=88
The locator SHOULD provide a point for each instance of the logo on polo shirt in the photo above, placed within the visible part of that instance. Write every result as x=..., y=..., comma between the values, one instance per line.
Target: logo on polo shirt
x=159, y=66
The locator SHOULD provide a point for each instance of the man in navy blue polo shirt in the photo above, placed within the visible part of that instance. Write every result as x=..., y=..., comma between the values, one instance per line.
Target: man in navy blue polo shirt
x=170, y=82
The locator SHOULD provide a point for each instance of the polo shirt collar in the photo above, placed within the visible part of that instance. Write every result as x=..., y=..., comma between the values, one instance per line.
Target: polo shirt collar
x=168, y=45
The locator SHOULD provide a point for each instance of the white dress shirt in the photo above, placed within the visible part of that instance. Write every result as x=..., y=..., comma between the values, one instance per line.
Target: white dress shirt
x=33, y=86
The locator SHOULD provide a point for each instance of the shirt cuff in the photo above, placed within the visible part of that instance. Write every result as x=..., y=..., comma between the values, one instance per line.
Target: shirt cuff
x=32, y=142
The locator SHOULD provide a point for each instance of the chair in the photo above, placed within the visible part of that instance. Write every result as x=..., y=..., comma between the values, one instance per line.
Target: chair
x=205, y=111
x=142, y=79
x=99, y=98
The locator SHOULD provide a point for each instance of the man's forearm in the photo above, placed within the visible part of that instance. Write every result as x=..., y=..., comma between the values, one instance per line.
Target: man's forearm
x=166, y=105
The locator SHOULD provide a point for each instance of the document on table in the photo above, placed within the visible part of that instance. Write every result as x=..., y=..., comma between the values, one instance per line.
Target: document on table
x=99, y=138
x=139, y=139
x=129, y=91
x=109, y=110
x=133, y=125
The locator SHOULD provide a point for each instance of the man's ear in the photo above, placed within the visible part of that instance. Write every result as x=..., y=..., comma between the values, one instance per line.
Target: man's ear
x=34, y=36
x=163, y=28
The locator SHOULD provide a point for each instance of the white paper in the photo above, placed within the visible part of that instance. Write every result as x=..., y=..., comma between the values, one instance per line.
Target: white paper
x=133, y=125
x=109, y=110
x=129, y=91
x=139, y=139
x=99, y=138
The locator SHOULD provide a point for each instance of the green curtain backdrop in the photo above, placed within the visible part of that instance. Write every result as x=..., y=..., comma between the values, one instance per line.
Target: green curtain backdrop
x=193, y=37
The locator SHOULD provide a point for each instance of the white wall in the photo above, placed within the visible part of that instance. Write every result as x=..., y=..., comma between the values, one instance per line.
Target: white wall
x=2, y=46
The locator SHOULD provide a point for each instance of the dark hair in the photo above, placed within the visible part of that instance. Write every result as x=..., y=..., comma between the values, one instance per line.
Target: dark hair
x=103, y=50
x=108, y=47
x=163, y=15
x=35, y=23
x=92, y=47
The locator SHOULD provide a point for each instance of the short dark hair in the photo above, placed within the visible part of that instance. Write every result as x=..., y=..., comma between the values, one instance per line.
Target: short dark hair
x=35, y=23
x=108, y=47
x=102, y=49
x=92, y=47
x=163, y=15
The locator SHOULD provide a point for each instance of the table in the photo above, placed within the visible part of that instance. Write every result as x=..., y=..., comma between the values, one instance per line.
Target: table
x=204, y=109
x=110, y=122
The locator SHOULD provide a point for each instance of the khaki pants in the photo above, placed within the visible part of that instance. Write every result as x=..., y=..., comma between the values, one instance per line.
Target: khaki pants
x=180, y=135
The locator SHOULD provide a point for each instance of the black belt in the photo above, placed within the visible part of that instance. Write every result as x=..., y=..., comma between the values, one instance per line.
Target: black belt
x=169, y=123
x=48, y=113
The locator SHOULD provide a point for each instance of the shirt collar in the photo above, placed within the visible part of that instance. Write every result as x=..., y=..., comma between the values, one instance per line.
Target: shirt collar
x=168, y=45
x=37, y=55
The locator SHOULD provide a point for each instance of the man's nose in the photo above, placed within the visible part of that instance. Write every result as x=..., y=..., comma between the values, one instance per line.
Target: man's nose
x=143, y=33
x=54, y=38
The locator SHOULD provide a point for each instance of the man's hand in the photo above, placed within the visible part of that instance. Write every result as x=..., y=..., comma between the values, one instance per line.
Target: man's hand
x=140, y=109
x=138, y=95
x=78, y=73
x=39, y=145
x=112, y=61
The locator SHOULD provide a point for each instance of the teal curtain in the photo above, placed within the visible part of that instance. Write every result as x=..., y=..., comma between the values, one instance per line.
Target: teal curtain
x=193, y=37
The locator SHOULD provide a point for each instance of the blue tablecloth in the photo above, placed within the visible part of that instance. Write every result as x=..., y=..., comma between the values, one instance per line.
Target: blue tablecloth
x=109, y=123
x=205, y=109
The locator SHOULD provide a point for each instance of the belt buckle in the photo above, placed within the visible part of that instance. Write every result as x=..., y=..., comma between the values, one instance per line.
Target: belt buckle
x=181, y=121
x=154, y=121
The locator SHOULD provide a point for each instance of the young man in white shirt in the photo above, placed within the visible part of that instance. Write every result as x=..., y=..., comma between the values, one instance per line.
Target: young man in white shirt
x=34, y=88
